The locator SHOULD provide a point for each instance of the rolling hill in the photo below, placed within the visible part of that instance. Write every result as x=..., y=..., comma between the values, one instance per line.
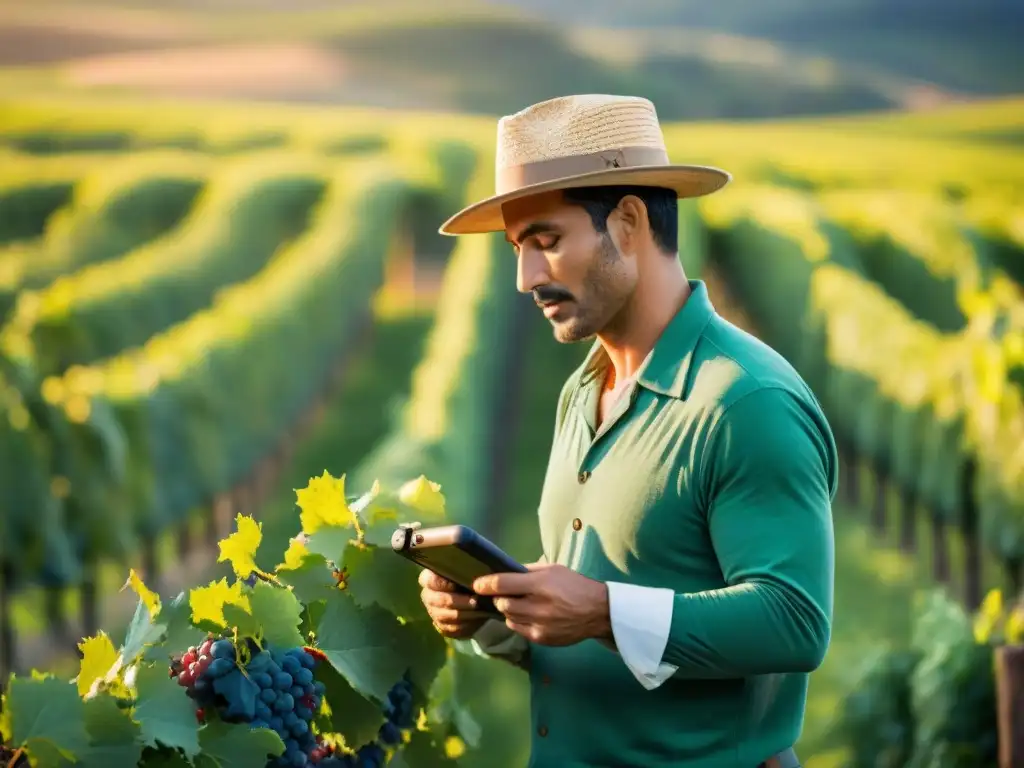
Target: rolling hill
x=488, y=57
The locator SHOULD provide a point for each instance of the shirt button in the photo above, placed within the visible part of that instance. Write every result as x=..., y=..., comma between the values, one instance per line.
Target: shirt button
x=546, y=680
x=584, y=476
x=543, y=730
x=577, y=524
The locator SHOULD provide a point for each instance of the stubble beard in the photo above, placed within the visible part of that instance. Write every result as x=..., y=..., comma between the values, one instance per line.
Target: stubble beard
x=599, y=301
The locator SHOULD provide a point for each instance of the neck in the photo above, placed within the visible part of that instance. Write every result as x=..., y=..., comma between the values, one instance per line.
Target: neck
x=659, y=295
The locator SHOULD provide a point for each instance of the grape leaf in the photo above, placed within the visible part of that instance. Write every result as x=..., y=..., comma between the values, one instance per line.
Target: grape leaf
x=113, y=735
x=142, y=633
x=330, y=542
x=445, y=706
x=377, y=576
x=242, y=620
x=359, y=643
x=98, y=657
x=278, y=612
x=423, y=649
x=240, y=547
x=294, y=555
x=146, y=595
x=310, y=578
x=176, y=616
x=208, y=602
x=352, y=715
x=165, y=713
x=237, y=746
x=379, y=511
x=163, y=759
x=45, y=716
x=424, y=497
x=322, y=503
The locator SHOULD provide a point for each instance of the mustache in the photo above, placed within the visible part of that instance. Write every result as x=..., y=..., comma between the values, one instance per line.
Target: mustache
x=547, y=294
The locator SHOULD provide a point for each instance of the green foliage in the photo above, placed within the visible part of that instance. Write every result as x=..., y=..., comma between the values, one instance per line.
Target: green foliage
x=931, y=705
x=247, y=214
x=127, y=705
x=116, y=207
x=936, y=411
x=128, y=445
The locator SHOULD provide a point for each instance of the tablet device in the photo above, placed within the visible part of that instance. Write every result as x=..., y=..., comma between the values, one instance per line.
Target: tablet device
x=456, y=552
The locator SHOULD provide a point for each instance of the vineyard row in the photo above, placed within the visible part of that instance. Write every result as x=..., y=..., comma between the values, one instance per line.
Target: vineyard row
x=936, y=411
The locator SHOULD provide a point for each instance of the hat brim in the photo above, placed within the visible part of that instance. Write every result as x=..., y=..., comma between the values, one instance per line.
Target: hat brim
x=685, y=180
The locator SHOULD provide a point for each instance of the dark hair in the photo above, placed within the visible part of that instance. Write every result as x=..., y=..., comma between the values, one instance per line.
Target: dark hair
x=662, y=209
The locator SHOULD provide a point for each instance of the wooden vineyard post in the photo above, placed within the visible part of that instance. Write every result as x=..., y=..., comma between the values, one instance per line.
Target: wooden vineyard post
x=8, y=661
x=89, y=597
x=879, y=508
x=908, y=519
x=940, y=550
x=1010, y=705
x=972, y=538
x=1012, y=576
x=223, y=513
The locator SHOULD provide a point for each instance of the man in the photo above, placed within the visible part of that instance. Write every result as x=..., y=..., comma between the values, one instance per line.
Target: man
x=685, y=589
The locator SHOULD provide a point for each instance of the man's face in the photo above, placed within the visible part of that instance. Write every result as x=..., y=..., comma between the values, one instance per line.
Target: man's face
x=577, y=276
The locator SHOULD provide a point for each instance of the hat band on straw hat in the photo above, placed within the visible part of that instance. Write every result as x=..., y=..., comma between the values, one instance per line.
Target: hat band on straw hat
x=515, y=177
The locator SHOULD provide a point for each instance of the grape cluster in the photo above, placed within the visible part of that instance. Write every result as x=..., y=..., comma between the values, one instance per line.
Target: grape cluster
x=274, y=690
x=398, y=711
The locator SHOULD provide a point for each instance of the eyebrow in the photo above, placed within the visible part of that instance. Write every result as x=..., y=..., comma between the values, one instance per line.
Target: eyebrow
x=537, y=228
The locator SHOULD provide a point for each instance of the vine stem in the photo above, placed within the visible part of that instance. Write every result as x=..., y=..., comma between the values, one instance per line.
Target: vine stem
x=17, y=754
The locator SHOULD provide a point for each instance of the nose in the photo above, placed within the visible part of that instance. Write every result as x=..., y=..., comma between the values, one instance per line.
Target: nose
x=531, y=270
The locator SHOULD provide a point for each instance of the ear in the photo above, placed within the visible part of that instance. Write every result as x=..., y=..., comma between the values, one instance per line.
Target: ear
x=628, y=224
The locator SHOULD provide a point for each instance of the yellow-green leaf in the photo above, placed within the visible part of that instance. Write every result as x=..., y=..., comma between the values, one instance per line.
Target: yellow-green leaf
x=294, y=555
x=240, y=547
x=98, y=657
x=322, y=502
x=424, y=496
x=208, y=602
x=148, y=596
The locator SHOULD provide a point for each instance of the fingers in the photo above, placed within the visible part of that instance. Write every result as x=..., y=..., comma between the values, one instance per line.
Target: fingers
x=516, y=609
x=430, y=580
x=505, y=584
x=456, y=600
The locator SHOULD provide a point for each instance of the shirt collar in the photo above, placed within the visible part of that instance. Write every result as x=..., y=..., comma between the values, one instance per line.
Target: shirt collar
x=667, y=365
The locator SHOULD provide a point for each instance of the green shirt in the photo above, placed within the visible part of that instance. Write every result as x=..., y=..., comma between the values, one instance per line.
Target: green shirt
x=714, y=477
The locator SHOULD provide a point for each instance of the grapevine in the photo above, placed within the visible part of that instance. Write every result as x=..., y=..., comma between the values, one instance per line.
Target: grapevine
x=289, y=667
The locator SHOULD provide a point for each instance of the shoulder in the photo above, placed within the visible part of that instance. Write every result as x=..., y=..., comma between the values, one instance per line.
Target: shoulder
x=739, y=364
x=766, y=418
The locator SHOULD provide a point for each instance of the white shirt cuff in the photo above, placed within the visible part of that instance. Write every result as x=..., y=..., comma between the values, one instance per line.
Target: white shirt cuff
x=641, y=619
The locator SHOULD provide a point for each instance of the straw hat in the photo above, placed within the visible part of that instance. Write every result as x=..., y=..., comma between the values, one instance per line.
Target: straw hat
x=578, y=141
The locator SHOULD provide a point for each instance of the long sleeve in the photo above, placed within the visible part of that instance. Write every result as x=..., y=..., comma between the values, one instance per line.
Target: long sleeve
x=767, y=477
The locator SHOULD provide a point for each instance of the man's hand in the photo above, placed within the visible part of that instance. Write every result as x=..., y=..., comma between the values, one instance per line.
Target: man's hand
x=550, y=605
x=453, y=613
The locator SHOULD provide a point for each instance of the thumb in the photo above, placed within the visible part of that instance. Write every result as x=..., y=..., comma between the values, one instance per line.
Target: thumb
x=538, y=566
